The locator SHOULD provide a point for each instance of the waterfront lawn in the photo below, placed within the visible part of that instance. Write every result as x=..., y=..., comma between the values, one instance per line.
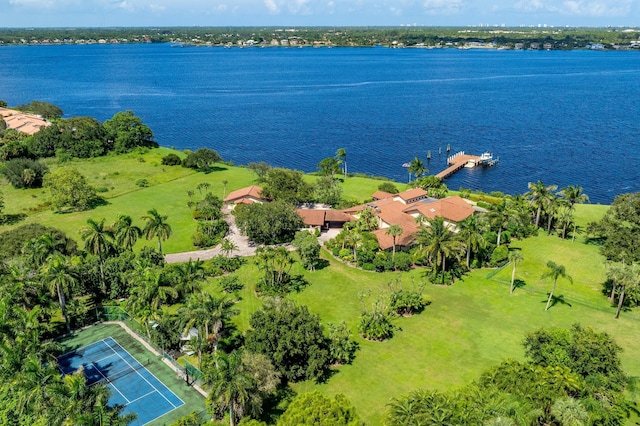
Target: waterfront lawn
x=470, y=326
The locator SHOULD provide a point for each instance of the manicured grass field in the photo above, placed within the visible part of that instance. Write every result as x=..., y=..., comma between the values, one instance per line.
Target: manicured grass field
x=470, y=326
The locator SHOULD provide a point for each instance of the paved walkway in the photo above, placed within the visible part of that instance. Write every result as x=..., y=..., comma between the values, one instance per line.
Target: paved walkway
x=245, y=247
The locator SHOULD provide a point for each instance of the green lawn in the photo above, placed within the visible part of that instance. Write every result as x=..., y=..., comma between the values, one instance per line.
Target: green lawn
x=471, y=325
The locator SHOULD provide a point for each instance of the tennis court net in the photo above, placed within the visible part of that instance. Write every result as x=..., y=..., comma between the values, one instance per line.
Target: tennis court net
x=111, y=376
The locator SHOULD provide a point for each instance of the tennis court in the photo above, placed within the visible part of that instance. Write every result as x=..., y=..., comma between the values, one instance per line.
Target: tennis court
x=131, y=384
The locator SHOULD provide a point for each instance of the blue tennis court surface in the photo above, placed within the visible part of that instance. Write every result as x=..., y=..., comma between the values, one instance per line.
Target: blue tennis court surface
x=131, y=384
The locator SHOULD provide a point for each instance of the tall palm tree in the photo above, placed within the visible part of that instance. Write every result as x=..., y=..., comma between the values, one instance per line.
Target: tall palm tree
x=539, y=195
x=156, y=226
x=230, y=385
x=125, y=232
x=470, y=231
x=499, y=216
x=417, y=168
x=515, y=257
x=188, y=276
x=224, y=191
x=553, y=205
x=564, y=215
x=574, y=195
x=209, y=315
x=394, y=231
x=57, y=273
x=439, y=243
x=555, y=271
x=628, y=282
x=570, y=411
x=152, y=290
x=341, y=156
x=98, y=240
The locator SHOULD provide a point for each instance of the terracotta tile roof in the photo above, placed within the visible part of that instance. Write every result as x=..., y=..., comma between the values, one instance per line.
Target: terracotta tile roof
x=411, y=194
x=386, y=241
x=312, y=217
x=452, y=209
x=381, y=195
x=337, y=216
x=22, y=122
x=251, y=192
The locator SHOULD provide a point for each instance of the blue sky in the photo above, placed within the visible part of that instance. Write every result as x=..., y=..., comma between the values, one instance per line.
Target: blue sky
x=100, y=13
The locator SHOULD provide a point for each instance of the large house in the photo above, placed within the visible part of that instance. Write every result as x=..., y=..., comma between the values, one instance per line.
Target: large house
x=22, y=122
x=401, y=209
x=249, y=195
x=405, y=208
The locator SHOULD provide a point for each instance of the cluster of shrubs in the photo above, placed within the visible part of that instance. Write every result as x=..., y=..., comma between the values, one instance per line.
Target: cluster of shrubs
x=202, y=159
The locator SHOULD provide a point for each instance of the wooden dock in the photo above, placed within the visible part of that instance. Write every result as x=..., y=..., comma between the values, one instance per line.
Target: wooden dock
x=456, y=162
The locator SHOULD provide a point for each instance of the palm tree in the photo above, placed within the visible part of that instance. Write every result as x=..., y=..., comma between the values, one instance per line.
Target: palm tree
x=553, y=205
x=417, y=168
x=61, y=279
x=97, y=241
x=470, y=231
x=555, y=271
x=201, y=186
x=515, y=257
x=499, y=216
x=224, y=191
x=341, y=156
x=188, y=276
x=570, y=411
x=439, y=242
x=628, y=282
x=574, y=195
x=395, y=231
x=151, y=291
x=209, y=315
x=156, y=226
x=564, y=215
x=228, y=246
x=126, y=234
x=539, y=195
x=229, y=385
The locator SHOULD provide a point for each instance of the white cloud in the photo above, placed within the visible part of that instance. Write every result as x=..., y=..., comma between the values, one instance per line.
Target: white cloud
x=444, y=7
x=585, y=8
x=272, y=6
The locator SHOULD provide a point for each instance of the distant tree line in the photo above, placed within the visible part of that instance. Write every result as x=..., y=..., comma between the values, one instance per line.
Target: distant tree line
x=559, y=38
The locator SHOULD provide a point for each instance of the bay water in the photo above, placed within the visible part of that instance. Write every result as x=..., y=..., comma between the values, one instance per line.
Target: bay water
x=563, y=117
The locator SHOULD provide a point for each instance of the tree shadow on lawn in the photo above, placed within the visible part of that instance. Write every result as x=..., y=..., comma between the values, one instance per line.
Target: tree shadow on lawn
x=518, y=284
x=12, y=219
x=214, y=169
x=557, y=299
x=321, y=264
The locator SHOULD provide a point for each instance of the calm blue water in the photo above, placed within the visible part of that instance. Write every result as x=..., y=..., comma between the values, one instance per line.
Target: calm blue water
x=568, y=118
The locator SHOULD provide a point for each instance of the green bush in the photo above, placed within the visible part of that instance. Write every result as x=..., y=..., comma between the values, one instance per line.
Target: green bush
x=230, y=284
x=403, y=261
x=499, y=255
x=383, y=261
x=24, y=173
x=369, y=267
x=142, y=183
x=406, y=302
x=376, y=326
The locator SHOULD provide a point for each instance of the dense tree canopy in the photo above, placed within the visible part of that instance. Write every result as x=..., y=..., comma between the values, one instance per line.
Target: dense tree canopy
x=286, y=185
x=126, y=132
x=292, y=338
x=316, y=409
x=619, y=229
x=268, y=223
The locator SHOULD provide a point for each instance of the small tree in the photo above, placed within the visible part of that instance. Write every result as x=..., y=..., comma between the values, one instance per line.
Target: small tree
x=69, y=189
x=555, y=271
x=308, y=249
